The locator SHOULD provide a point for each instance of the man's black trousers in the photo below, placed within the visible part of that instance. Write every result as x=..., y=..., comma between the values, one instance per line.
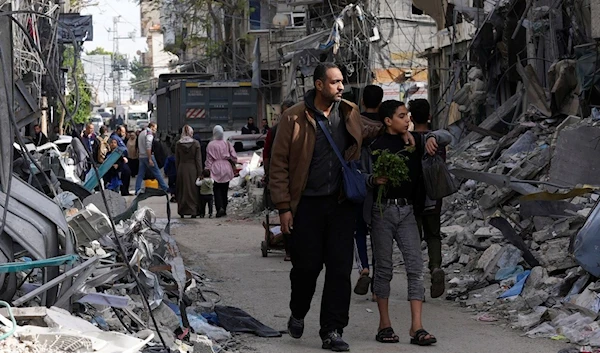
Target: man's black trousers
x=323, y=235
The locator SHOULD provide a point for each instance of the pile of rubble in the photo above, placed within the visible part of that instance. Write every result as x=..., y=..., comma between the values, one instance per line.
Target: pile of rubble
x=513, y=244
x=123, y=291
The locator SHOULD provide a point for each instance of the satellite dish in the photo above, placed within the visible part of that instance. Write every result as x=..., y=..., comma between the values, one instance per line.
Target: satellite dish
x=281, y=20
x=139, y=52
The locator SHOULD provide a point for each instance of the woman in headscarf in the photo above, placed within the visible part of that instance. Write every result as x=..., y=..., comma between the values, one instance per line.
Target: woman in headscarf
x=220, y=159
x=188, y=161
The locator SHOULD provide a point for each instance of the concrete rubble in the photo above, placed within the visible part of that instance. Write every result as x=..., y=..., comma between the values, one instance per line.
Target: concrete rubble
x=509, y=232
x=100, y=302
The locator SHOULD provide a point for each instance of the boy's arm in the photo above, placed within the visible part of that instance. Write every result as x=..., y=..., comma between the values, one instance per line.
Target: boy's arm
x=367, y=167
x=442, y=137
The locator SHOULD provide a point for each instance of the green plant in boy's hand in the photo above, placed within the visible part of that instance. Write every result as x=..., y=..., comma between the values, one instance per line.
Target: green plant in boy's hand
x=391, y=166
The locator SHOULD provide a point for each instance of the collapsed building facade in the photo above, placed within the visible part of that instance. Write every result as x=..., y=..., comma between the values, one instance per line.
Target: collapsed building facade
x=515, y=83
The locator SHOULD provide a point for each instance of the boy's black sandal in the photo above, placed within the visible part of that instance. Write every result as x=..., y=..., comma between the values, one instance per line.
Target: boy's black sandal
x=387, y=335
x=420, y=338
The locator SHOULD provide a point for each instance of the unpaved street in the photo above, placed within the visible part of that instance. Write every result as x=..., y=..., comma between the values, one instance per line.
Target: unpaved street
x=228, y=251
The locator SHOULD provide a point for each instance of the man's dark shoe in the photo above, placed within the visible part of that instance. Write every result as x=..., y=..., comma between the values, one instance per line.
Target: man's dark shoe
x=295, y=327
x=333, y=341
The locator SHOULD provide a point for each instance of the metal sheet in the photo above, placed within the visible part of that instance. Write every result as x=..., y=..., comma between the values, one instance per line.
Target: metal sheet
x=511, y=235
x=586, y=247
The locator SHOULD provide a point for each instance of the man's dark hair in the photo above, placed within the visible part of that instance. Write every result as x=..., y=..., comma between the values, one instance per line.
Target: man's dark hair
x=321, y=71
x=36, y=125
x=419, y=110
x=103, y=130
x=372, y=96
x=388, y=108
x=250, y=117
x=206, y=173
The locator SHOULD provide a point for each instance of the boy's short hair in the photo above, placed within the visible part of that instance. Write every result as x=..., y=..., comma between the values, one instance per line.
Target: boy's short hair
x=388, y=108
x=372, y=96
x=419, y=110
x=206, y=173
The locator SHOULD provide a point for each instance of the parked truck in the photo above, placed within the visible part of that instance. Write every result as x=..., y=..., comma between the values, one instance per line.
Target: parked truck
x=202, y=103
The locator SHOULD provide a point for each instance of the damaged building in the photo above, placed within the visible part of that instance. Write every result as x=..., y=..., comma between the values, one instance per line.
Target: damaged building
x=515, y=83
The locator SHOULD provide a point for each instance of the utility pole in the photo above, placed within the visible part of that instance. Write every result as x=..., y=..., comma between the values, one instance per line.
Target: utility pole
x=117, y=61
x=116, y=67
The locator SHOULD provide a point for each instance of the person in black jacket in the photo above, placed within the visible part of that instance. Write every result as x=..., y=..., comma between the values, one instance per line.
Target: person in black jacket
x=428, y=215
x=39, y=138
x=118, y=177
x=250, y=128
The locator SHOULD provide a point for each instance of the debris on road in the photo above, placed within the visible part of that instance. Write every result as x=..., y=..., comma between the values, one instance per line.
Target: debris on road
x=122, y=288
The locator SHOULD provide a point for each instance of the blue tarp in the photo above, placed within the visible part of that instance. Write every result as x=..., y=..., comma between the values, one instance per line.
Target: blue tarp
x=518, y=287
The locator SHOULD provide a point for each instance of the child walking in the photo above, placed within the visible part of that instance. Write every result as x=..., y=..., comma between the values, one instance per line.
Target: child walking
x=394, y=220
x=206, y=185
x=428, y=216
x=170, y=169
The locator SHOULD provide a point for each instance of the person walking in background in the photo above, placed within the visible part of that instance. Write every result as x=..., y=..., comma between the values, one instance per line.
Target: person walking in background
x=250, y=128
x=266, y=162
x=427, y=211
x=147, y=160
x=265, y=127
x=371, y=100
x=206, y=185
x=188, y=161
x=119, y=176
x=39, y=138
x=220, y=159
x=133, y=154
x=171, y=173
x=88, y=138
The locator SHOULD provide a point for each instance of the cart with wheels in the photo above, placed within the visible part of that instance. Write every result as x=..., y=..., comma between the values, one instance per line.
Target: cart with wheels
x=272, y=242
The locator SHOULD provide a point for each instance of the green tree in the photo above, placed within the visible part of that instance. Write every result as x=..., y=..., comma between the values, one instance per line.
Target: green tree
x=83, y=94
x=141, y=82
x=99, y=51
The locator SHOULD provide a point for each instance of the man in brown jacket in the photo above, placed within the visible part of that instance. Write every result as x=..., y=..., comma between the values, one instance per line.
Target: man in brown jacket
x=306, y=188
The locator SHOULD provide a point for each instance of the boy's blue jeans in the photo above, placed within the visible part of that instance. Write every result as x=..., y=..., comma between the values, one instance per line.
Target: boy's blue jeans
x=145, y=164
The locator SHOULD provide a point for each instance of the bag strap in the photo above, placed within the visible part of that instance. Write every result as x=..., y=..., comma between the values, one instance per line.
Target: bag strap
x=331, y=142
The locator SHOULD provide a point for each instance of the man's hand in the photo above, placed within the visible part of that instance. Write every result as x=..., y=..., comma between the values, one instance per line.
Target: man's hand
x=381, y=180
x=150, y=162
x=431, y=146
x=408, y=138
x=125, y=160
x=287, y=222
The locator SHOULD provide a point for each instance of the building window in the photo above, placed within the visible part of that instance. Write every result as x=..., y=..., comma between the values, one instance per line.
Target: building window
x=298, y=19
x=416, y=11
x=255, y=21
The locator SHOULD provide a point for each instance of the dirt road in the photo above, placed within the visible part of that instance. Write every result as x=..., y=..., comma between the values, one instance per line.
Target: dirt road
x=228, y=251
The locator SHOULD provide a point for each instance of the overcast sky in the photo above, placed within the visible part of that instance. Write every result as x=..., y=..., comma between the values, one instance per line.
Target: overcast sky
x=103, y=15
x=129, y=25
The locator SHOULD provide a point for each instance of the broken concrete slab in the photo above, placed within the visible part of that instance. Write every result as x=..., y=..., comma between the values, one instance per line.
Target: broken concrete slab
x=554, y=256
x=581, y=141
x=452, y=230
x=487, y=232
x=487, y=259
